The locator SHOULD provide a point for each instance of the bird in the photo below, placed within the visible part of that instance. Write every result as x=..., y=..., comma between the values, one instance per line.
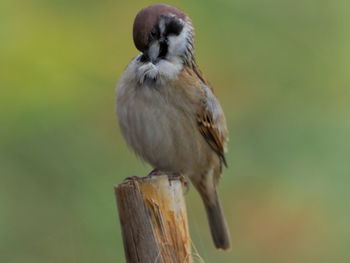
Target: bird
x=168, y=113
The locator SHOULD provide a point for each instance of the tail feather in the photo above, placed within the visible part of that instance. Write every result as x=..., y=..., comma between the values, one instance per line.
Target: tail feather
x=217, y=222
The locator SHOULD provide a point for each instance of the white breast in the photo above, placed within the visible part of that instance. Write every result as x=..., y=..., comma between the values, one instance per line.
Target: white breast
x=158, y=122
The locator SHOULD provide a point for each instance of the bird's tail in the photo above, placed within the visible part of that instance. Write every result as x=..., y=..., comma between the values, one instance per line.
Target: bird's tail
x=217, y=222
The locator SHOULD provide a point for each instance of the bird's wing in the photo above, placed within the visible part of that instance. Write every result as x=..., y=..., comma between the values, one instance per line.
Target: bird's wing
x=211, y=124
x=209, y=116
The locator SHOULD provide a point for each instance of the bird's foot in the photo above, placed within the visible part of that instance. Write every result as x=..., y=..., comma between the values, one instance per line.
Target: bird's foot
x=132, y=178
x=181, y=178
x=156, y=172
x=172, y=176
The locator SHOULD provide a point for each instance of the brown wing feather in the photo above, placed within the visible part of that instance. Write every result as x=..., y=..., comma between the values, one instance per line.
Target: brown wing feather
x=213, y=130
x=211, y=133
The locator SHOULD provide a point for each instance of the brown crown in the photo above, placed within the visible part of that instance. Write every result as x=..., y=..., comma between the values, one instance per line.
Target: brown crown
x=147, y=18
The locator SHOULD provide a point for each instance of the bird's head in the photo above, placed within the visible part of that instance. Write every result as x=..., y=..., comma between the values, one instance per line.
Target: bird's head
x=163, y=32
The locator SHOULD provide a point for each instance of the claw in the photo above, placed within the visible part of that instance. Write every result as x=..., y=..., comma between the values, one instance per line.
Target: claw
x=182, y=179
x=156, y=172
x=171, y=177
x=131, y=178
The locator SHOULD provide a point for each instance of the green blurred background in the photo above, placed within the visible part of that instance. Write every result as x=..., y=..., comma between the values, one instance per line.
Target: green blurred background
x=281, y=72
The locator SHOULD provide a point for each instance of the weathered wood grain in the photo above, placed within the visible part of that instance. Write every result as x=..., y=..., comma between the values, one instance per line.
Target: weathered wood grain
x=153, y=219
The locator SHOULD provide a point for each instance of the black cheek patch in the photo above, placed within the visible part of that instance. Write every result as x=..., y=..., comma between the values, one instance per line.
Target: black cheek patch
x=174, y=27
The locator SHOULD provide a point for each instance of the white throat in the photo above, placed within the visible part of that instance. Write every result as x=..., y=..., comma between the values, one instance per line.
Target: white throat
x=160, y=73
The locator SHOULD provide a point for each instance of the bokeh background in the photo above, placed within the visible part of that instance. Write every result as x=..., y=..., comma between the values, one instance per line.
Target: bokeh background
x=281, y=71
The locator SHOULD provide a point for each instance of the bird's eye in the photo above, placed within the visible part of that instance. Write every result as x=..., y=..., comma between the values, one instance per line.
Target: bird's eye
x=154, y=33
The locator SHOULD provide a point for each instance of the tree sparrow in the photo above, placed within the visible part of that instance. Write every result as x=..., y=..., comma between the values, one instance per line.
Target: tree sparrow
x=167, y=111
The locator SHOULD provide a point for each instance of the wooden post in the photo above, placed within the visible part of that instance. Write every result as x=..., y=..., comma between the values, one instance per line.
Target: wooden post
x=153, y=219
